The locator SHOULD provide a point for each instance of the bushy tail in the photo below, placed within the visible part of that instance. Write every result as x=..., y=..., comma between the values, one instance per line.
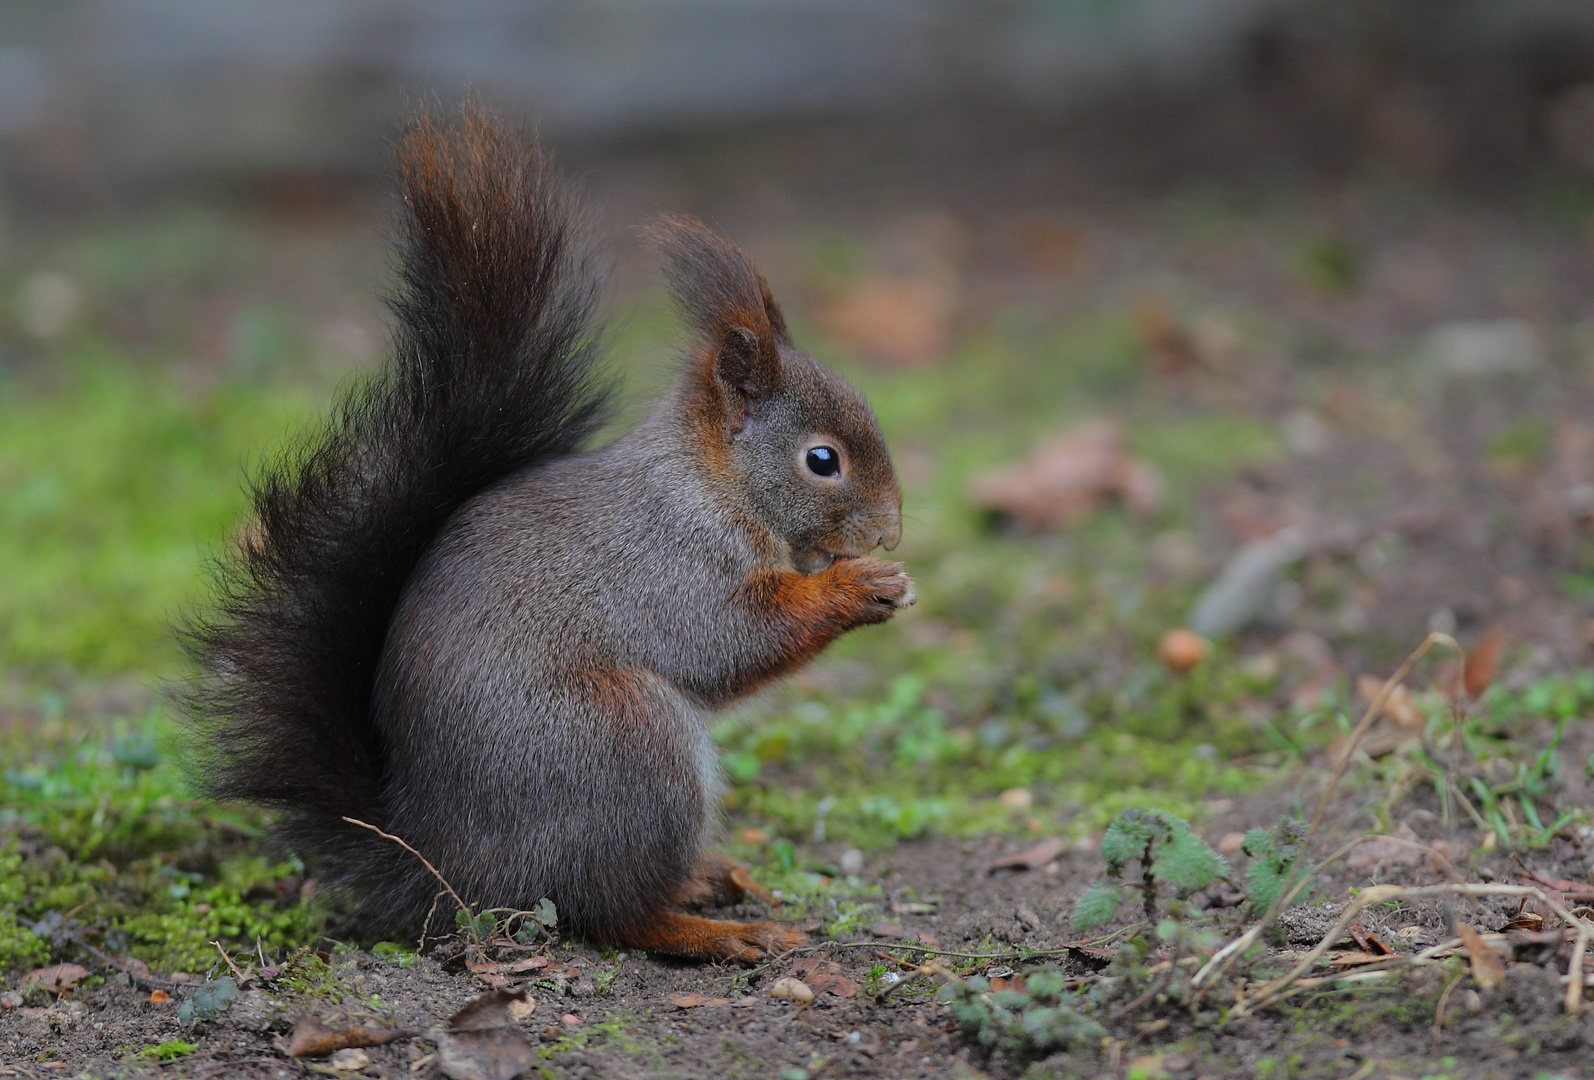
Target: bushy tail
x=492, y=370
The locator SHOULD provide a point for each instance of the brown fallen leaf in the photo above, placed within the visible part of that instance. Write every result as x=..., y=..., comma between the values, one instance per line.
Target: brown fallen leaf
x=508, y=967
x=481, y=1041
x=1031, y=858
x=1384, y=850
x=351, y=1059
x=1068, y=478
x=311, y=1039
x=1168, y=345
x=1054, y=244
x=900, y=319
x=1487, y=966
x=1483, y=661
x=688, y=1000
x=1369, y=941
x=885, y=928
x=57, y=979
x=1525, y=920
x=500, y=1053
x=830, y=983
x=1400, y=706
x=489, y=1010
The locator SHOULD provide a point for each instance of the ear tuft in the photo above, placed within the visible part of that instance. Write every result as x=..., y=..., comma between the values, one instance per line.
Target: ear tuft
x=726, y=300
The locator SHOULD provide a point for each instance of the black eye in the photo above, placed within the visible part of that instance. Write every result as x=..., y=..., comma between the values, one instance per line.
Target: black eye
x=824, y=461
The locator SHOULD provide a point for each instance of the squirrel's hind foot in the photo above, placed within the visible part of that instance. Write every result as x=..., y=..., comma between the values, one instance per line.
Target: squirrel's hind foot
x=718, y=881
x=678, y=934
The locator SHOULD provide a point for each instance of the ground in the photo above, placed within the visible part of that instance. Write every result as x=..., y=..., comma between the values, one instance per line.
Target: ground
x=1402, y=374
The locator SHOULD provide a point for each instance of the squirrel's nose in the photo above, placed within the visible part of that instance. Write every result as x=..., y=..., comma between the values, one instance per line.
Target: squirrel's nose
x=892, y=534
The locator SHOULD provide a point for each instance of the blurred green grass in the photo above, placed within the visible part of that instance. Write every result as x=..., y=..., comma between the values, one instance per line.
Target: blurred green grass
x=115, y=485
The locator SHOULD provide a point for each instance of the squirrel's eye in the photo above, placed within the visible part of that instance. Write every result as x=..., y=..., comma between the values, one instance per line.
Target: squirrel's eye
x=824, y=461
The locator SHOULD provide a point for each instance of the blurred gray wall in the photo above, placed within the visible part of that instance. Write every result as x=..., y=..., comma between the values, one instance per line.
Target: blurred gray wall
x=101, y=90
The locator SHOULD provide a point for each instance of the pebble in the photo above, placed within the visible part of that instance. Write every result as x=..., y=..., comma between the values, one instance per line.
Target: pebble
x=790, y=989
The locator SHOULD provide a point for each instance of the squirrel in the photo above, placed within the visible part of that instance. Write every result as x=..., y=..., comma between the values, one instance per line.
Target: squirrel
x=451, y=622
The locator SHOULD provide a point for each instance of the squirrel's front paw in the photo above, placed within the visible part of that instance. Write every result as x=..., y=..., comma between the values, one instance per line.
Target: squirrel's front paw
x=884, y=587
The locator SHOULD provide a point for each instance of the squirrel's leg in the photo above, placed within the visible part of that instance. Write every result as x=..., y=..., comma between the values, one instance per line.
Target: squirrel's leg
x=679, y=934
x=718, y=881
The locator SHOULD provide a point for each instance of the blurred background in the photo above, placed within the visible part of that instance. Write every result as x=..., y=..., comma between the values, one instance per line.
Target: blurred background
x=1269, y=318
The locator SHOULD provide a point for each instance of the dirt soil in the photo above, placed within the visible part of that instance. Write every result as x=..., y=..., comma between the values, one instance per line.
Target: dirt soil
x=623, y=1015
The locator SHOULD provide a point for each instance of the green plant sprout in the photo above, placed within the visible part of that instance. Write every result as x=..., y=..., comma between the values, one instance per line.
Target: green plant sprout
x=1277, y=862
x=1169, y=853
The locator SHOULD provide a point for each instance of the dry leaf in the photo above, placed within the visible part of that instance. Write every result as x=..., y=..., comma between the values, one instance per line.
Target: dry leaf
x=1016, y=798
x=311, y=1039
x=1483, y=661
x=489, y=1010
x=1167, y=344
x=1487, y=966
x=500, y=1053
x=828, y=983
x=350, y=1060
x=901, y=319
x=1400, y=706
x=1068, y=478
x=1053, y=244
x=690, y=1000
x=885, y=928
x=1031, y=858
x=1369, y=941
x=58, y=979
x=482, y=1044
x=1371, y=853
x=510, y=967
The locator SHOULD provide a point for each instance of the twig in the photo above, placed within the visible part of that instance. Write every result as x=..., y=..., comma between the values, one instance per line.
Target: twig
x=1439, y=1009
x=1284, y=985
x=1220, y=962
x=466, y=908
x=420, y=946
x=230, y=965
x=143, y=982
x=1373, y=709
x=928, y=950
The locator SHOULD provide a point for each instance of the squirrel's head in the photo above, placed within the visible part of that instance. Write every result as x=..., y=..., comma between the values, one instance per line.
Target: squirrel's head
x=793, y=444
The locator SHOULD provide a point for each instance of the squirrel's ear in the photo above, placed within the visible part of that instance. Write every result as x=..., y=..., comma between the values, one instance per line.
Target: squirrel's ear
x=730, y=305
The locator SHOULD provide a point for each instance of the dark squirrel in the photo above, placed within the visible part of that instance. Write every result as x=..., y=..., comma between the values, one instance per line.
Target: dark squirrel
x=450, y=623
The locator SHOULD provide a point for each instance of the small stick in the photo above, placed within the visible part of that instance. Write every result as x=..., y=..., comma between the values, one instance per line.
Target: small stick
x=1439, y=1009
x=230, y=965
x=1281, y=987
x=1373, y=709
x=466, y=908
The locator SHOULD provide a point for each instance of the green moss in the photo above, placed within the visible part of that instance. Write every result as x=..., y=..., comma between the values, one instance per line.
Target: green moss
x=113, y=487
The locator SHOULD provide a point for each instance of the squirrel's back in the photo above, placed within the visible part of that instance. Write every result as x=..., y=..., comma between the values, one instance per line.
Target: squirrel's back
x=492, y=372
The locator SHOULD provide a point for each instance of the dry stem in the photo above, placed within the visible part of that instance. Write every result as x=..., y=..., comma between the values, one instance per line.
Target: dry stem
x=1283, y=986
